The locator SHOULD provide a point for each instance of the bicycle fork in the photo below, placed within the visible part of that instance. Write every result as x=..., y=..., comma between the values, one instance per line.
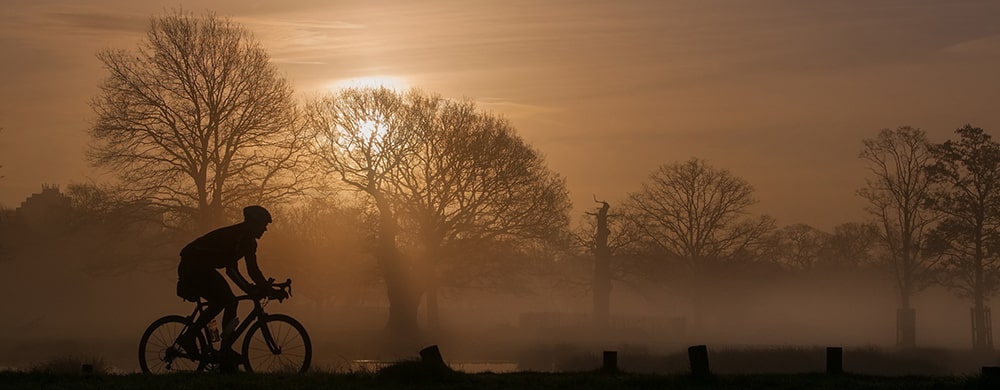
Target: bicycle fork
x=265, y=331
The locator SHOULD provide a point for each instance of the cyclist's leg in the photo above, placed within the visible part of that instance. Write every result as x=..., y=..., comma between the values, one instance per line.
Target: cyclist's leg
x=220, y=297
x=203, y=281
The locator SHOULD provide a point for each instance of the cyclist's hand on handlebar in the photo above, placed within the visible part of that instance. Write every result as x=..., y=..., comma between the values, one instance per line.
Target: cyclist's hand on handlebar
x=278, y=294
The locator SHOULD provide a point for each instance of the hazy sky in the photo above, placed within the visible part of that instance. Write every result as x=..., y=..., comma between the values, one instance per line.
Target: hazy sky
x=780, y=92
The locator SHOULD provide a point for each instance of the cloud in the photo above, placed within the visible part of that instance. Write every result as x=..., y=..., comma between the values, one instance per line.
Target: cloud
x=515, y=108
x=90, y=20
x=985, y=45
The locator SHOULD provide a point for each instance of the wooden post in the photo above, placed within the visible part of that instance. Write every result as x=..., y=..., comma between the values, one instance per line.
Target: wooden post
x=990, y=378
x=698, y=355
x=431, y=357
x=834, y=360
x=610, y=362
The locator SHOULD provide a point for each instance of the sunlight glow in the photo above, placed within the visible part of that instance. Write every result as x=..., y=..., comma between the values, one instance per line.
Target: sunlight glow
x=371, y=129
x=390, y=82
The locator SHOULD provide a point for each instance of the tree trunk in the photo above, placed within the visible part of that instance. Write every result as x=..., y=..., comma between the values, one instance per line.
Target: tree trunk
x=602, y=270
x=906, y=321
x=400, y=289
x=402, y=306
x=433, y=310
x=602, y=293
x=430, y=278
x=906, y=327
x=982, y=332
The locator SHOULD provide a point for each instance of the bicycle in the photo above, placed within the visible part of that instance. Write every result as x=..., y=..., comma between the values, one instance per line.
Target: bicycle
x=273, y=342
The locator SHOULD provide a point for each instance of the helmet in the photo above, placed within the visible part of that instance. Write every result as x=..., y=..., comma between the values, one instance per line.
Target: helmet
x=256, y=214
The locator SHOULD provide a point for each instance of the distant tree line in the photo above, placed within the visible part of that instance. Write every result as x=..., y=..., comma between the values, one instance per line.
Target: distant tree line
x=935, y=212
x=419, y=194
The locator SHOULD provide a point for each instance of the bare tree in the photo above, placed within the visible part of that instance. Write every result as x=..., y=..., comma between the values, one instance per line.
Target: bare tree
x=694, y=217
x=898, y=190
x=853, y=245
x=968, y=237
x=473, y=182
x=602, y=264
x=362, y=136
x=797, y=246
x=697, y=213
x=444, y=178
x=613, y=244
x=198, y=121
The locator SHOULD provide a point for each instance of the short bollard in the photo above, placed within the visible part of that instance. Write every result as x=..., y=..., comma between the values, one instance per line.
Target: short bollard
x=834, y=360
x=431, y=358
x=698, y=355
x=610, y=362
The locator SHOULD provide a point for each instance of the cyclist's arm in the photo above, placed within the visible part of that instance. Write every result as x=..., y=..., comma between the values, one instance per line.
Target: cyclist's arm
x=234, y=274
x=254, y=270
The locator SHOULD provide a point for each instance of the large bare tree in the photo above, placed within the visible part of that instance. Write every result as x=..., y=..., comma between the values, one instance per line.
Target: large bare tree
x=445, y=178
x=471, y=183
x=898, y=190
x=198, y=121
x=968, y=237
x=696, y=216
x=363, y=136
x=697, y=213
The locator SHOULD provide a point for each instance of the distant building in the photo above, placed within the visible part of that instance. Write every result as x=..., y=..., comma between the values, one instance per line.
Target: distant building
x=44, y=209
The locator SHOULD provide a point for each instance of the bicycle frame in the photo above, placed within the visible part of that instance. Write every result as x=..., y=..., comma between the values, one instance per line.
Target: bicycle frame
x=256, y=314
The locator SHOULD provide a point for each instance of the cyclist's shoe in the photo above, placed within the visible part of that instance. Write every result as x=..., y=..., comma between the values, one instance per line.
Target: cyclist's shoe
x=189, y=346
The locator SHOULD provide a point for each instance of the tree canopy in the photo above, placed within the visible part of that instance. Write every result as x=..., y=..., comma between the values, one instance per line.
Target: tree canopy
x=445, y=178
x=198, y=121
x=697, y=213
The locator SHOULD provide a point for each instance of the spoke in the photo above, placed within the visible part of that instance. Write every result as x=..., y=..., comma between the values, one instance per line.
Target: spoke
x=287, y=338
x=288, y=332
x=300, y=345
x=161, y=339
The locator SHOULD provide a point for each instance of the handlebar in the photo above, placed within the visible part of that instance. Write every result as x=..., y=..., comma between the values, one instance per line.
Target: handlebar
x=285, y=286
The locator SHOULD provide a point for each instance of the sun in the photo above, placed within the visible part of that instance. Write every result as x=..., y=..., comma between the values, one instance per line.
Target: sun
x=371, y=129
x=394, y=83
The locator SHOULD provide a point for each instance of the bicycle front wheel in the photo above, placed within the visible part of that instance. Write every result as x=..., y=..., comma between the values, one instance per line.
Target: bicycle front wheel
x=277, y=343
x=158, y=349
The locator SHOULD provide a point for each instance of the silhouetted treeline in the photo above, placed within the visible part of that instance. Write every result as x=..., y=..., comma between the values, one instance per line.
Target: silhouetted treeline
x=418, y=196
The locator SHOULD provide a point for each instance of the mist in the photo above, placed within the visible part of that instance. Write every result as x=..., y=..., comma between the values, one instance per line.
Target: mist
x=65, y=301
x=444, y=185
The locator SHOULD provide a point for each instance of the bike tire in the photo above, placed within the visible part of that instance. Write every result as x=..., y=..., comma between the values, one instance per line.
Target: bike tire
x=289, y=335
x=158, y=347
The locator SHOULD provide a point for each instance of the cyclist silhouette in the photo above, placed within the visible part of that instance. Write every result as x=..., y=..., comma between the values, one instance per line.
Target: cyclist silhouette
x=197, y=275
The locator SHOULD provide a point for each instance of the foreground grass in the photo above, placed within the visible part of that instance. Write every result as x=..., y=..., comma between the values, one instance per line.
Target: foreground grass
x=522, y=380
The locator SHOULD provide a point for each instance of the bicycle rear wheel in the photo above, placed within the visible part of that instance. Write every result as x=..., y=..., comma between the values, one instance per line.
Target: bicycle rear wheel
x=158, y=349
x=278, y=343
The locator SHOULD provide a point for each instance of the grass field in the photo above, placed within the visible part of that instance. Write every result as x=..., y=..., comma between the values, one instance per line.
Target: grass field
x=523, y=380
x=552, y=367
